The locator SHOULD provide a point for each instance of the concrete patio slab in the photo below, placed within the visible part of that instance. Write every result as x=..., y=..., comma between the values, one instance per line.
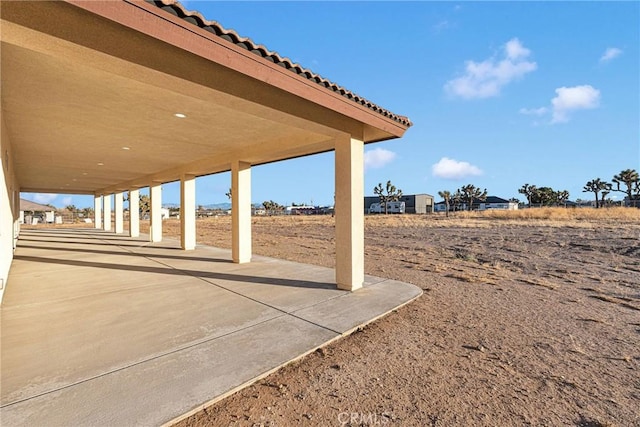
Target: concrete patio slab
x=103, y=330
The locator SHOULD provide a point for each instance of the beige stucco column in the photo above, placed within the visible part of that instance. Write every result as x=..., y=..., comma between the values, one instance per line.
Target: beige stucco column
x=349, y=213
x=119, y=211
x=134, y=213
x=97, y=211
x=188, y=212
x=106, y=212
x=241, y=211
x=155, y=196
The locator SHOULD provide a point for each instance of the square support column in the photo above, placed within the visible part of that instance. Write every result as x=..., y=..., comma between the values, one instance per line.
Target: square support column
x=97, y=211
x=349, y=165
x=134, y=213
x=107, y=213
x=188, y=212
x=119, y=211
x=155, y=194
x=241, y=211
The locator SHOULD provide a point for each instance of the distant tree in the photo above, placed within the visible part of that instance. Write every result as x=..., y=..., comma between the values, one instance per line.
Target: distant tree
x=561, y=197
x=471, y=192
x=71, y=208
x=631, y=179
x=446, y=195
x=514, y=200
x=389, y=193
x=144, y=204
x=87, y=212
x=528, y=191
x=228, y=194
x=270, y=206
x=456, y=199
x=544, y=196
x=603, y=194
x=596, y=186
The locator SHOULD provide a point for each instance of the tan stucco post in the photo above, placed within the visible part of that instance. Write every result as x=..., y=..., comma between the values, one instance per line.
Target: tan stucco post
x=106, y=211
x=349, y=211
x=97, y=211
x=119, y=211
x=134, y=213
x=241, y=211
x=155, y=195
x=188, y=212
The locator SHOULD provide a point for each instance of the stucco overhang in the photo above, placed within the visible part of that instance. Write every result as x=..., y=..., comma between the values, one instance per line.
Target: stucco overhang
x=83, y=80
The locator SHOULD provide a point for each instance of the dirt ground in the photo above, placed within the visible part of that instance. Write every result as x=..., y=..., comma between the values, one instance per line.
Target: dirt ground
x=521, y=323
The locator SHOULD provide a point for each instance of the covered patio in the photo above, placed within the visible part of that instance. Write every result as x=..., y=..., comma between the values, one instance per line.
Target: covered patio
x=107, y=98
x=99, y=329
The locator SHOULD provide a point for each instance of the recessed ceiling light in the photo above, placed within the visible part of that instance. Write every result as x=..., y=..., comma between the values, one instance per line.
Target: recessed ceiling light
x=84, y=173
x=74, y=180
x=180, y=115
x=100, y=164
x=126, y=148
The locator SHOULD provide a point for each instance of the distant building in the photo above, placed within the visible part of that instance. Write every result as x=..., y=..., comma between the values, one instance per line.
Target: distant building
x=634, y=201
x=414, y=203
x=34, y=213
x=491, y=202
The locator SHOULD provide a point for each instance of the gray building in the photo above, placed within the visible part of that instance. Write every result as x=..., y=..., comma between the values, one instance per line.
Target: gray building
x=414, y=203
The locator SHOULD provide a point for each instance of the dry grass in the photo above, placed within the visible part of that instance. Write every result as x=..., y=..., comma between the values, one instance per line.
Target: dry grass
x=559, y=214
x=546, y=217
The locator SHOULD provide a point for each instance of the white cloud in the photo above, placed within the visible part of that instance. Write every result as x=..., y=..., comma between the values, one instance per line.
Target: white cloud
x=377, y=158
x=452, y=169
x=569, y=99
x=485, y=79
x=44, y=198
x=610, y=53
x=66, y=201
x=534, y=111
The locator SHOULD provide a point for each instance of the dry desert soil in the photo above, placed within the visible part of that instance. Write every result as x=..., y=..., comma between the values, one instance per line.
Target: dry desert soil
x=523, y=322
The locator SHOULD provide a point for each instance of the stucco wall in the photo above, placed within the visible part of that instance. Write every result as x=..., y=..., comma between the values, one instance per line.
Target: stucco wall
x=9, y=208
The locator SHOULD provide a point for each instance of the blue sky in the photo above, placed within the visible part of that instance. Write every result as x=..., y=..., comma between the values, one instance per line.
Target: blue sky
x=500, y=93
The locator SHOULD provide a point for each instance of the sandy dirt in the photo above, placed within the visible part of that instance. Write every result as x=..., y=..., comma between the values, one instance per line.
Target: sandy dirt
x=521, y=323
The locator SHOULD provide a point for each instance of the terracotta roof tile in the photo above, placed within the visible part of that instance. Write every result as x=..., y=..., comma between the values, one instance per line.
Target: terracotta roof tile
x=175, y=8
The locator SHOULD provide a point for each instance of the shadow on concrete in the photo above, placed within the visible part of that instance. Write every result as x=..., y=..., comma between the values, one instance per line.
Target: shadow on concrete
x=180, y=272
x=126, y=253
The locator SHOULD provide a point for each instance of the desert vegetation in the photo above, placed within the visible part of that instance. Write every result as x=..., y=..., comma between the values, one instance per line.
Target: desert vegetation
x=528, y=317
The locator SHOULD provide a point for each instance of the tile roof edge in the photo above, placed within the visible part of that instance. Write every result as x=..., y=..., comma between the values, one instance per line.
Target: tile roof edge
x=176, y=8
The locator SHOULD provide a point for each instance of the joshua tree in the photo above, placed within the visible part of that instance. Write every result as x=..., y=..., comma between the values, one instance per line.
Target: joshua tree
x=387, y=194
x=71, y=208
x=270, y=206
x=528, y=191
x=605, y=192
x=545, y=196
x=631, y=179
x=471, y=193
x=561, y=197
x=87, y=212
x=456, y=198
x=596, y=186
x=228, y=194
x=446, y=195
x=145, y=204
